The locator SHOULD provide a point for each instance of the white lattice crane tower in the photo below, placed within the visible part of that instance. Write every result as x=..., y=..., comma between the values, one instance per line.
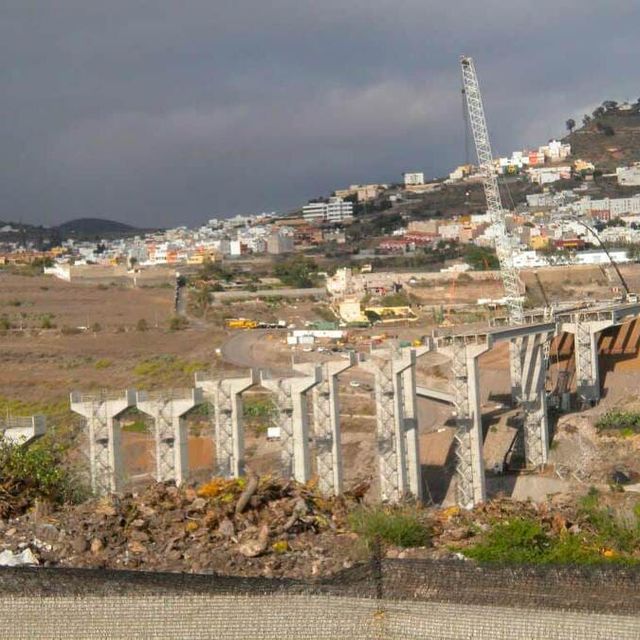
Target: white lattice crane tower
x=495, y=210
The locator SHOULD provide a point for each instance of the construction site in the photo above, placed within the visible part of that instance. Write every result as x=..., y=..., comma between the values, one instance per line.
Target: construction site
x=552, y=360
x=248, y=457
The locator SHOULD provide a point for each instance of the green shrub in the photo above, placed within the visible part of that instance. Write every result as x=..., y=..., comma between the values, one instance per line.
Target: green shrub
x=611, y=530
x=177, y=323
x=398, y=299
x=47, y=322
x=519, y=541
x=103, y=363
x=624, y=422
x=138, y=426
x=604, y=537
x=31, y=472
x=167, y=366
x=399, y=526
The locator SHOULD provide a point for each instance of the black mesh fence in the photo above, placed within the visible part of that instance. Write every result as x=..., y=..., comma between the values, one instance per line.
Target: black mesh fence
x=380, y=599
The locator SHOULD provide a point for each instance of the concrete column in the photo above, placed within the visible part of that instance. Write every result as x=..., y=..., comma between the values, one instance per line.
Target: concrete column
x=100, y=411
x=326, y=425
x=515, y=369
x=535, y=430
x=291, y=402
x=411, y=426
x=585, y=333
x=167, y=408
x=399, y=472
x=527, y=357
x=225, y=395
x=470, y=485
x=22, y=430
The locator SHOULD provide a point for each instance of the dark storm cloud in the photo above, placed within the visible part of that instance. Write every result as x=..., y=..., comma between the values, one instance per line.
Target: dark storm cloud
x=162, y=113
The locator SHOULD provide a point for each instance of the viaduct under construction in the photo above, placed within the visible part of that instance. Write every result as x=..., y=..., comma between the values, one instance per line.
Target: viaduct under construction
x=396, y=391
x=308, y=412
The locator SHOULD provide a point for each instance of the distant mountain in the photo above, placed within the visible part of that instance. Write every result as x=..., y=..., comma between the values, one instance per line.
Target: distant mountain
x=95, y=227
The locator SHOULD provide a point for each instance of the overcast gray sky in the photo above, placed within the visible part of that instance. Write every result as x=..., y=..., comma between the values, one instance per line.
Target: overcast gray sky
x=162, y=112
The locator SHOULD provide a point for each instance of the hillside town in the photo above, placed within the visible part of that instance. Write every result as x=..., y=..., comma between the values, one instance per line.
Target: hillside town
x=566, y=211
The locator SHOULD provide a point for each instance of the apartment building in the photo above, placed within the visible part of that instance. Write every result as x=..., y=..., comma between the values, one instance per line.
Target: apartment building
x=336, y=210
x=412, y=179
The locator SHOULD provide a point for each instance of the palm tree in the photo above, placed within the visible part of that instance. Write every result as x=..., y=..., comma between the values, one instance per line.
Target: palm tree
x=571, y=123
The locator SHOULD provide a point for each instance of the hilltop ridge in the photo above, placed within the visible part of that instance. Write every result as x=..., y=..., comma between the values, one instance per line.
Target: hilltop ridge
x=609, y=137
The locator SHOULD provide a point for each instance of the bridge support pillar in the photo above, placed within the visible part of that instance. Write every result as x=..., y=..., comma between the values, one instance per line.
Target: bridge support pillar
x=535, y=429
x=225, y=395
x=326, y=425
x=22, y=430
x=396, y=423
x=470, y=475
x=528, y=357
x=291, y=402
x=585, y=334
x=105, y=458
x=167, y=408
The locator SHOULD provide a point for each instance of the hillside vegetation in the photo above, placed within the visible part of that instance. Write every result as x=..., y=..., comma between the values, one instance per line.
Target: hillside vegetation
x=608, y=138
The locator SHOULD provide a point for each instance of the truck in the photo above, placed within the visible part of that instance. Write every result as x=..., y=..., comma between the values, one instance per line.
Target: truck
x=241, y=323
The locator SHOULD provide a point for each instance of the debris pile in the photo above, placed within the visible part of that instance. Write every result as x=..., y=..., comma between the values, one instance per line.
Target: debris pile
x=253, y=526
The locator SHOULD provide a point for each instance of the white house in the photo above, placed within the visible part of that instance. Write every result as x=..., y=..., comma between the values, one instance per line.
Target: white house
x=528, y=260
x=600, y=257
x=414, y=178
x=629, y=176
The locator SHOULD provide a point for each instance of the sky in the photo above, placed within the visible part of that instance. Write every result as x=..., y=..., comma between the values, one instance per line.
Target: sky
x=160, y=113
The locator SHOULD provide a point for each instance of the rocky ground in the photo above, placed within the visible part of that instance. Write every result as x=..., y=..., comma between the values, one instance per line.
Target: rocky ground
x=255, y=527
x=267, y=526
x=262, y=527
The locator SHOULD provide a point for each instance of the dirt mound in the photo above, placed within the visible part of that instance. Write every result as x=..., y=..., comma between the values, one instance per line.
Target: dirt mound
x=256, y=527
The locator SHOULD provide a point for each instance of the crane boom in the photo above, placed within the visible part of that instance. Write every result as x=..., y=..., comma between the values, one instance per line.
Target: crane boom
x=495, y=210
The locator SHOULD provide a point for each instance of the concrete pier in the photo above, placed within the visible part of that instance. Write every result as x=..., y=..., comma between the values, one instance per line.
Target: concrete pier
x=470, y=476
x=167, y=408
x=225, y=394
x=100, y=411
x=23, y=430
x=398, y=459
x=586, y=325
x=410, y=421
x=291, y=401
x=326, y=425
x=464, y=351
x=585, y=342
x=527, y=357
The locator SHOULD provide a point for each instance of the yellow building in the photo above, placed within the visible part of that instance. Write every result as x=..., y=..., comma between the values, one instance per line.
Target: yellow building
x=538, y=243
x=583, y=165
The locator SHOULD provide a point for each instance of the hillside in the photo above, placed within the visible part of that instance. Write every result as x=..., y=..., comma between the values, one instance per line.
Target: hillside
x=95, y=226
x=609, y=139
